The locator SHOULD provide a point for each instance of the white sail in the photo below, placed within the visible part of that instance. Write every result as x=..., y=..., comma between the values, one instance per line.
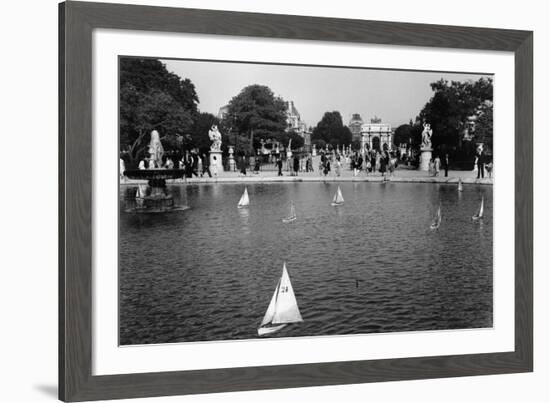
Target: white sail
x=292, y=216
x=479, y=214
x=286, y=306
x=244, y=201
x=437, y=220
x=481, y=209
x=283, y=307
x=338, y=198
x=268, y=317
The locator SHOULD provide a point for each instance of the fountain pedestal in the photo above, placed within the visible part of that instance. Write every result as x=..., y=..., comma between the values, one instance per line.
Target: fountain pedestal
x=425, y=158
x=216, y=161
x=154, y=198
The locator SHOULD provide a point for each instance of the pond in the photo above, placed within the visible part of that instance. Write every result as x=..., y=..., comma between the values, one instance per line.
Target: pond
x=371, y=265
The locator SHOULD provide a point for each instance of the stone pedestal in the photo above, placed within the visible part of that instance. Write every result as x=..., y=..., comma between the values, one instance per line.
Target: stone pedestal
x=425, y=157
x=216, y=161
x=232, y=164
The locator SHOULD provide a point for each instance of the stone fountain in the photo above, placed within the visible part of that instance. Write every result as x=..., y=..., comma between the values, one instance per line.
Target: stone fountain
x=153, y=197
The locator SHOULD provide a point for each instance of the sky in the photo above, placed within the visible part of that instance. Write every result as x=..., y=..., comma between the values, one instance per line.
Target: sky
x=394, y=96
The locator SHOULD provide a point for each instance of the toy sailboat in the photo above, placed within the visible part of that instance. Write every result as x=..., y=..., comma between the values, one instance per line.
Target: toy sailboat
x=283, y=308
x=437, y=219
x=338, y=199
x=460, y=184
x=244, y=201
x=479, y=214
x=292, y=216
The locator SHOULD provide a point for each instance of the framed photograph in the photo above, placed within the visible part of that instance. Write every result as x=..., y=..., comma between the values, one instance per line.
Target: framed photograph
x=252, y=201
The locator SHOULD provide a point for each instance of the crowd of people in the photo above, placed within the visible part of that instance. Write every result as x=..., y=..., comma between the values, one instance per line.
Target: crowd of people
x=383, y=162
x=372, y=162
x=193, y=164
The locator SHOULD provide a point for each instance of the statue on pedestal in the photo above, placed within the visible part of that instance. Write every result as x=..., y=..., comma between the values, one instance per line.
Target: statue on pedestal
x=216, y=138
x=215, y=150
x=427, y=134
x=426, y=148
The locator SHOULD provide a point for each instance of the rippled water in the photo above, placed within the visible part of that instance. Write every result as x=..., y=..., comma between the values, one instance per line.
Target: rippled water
x=371, y=265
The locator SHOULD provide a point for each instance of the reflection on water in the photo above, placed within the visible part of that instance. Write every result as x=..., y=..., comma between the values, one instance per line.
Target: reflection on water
x=371, y=265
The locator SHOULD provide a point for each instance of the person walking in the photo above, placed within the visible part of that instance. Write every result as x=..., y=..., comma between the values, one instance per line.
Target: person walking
x=446, y=164
x=326, y=167
x=383, y=164
x=489, y=168
x=368, y=166
x=243, y=165
x=338, y=166
x=481, y=164
x=392, y=164
x=437, y=165
x=279, y=164
x=257, y=165
x=195, y=164
x=215, y=167
x=206, y=166
x=296, y=165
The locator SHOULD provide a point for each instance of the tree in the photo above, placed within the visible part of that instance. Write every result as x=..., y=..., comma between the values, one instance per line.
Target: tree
x=257, y=113
x=484, y=125
x=152, y=98
x=331, y=130
x=410, y=133
x=451, y=106
x=297, y=140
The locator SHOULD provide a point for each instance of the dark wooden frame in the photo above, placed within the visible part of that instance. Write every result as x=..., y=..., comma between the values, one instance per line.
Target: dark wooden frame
x=76, y=22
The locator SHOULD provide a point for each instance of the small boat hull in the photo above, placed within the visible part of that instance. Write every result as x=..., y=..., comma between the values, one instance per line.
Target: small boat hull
x=476, y=217
x=336, y=204
x=263, y=331
x=245, y=206
x=289, y=220
x=434, y=226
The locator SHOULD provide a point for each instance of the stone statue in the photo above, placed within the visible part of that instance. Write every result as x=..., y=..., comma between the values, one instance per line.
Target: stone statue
x=216, y=138
x=156, y=151
x=427, y=136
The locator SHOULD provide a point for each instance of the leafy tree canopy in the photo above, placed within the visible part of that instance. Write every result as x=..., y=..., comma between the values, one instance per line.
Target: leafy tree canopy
x=152, y=98
x=331, y=130
x=408, y=134
x=451, y=105
x=257, y=112
x=484, y=125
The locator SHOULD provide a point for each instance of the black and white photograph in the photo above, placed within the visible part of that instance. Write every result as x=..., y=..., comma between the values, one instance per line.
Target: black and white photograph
x=262, y=200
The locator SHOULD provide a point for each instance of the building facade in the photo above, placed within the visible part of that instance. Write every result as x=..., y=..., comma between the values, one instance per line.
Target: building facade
x=376, y=135
x=295, y=123
x=355, y=126
x=223, y=111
